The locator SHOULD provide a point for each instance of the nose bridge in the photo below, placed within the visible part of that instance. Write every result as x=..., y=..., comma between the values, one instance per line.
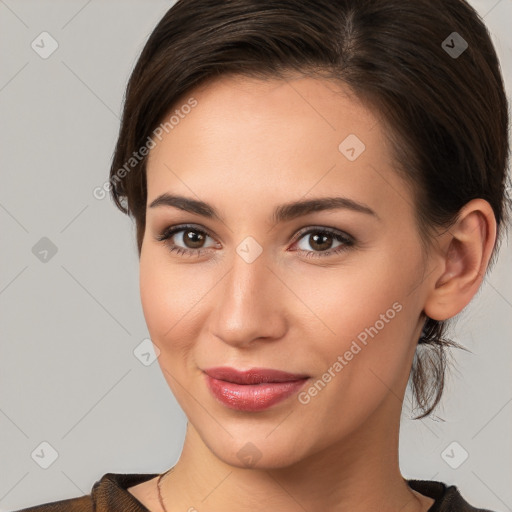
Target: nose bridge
x=248, y=280
x=246, y=308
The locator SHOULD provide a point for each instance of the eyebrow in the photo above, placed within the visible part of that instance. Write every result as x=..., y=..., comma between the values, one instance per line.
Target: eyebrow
x=282, y=213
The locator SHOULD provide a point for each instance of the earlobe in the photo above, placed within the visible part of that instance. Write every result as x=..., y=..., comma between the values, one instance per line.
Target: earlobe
x=467, y=250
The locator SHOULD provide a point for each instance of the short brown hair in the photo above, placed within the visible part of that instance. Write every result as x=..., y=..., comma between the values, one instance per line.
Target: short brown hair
x=446, y=114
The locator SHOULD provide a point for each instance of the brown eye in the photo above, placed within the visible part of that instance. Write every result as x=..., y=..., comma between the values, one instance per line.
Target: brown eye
x=192, y=239
x=321, y=240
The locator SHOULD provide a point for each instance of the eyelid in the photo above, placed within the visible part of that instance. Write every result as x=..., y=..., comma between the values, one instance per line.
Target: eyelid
x=323, y=229
x=171, y=230
x=343, y=237
x=176, y=228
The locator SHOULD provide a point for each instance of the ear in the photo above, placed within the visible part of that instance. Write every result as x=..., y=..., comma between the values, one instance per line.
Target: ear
x=464, y=253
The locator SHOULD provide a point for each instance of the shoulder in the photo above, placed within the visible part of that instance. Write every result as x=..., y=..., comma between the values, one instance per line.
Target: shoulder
x=447, y=498
x=109, y=493
x=82, y=504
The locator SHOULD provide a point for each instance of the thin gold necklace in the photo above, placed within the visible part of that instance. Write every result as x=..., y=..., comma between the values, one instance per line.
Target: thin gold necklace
x=159, y=491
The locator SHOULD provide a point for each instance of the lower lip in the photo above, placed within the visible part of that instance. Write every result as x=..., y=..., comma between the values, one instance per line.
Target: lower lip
x=249, y=397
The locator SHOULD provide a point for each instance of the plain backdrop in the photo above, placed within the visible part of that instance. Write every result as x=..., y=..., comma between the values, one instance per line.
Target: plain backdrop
x=76, y=401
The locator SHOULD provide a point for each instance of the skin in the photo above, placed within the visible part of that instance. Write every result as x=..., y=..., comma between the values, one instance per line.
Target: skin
x=248, y=146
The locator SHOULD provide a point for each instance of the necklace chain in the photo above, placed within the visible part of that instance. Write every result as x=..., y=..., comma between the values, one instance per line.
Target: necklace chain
x=158, y=482
x=159, y=491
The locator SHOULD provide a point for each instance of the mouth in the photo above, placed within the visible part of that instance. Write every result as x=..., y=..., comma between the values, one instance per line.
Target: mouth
x=253, y=375
x=252, y=390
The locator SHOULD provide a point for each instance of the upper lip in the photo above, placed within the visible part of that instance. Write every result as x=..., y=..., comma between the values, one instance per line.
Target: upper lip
x=252, y=376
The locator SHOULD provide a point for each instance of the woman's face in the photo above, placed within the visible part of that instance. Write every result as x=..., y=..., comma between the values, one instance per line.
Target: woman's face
x=263, y=285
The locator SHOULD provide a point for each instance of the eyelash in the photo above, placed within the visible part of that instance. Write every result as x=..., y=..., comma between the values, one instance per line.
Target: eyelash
x=346, y=240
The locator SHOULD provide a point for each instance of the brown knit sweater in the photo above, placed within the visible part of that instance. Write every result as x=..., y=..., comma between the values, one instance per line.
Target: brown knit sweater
x=110, y=494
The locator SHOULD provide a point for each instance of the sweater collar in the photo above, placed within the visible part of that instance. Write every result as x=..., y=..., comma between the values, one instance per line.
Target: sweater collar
x=110, y=493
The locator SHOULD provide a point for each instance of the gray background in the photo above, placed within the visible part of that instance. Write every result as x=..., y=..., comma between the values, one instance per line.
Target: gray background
x=70, y=324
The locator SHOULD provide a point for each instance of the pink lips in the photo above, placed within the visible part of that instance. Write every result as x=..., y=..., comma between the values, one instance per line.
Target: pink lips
x=252, y=390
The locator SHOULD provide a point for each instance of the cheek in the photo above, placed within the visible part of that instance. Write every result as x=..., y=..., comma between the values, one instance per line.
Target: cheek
x=155, y=295
x=168, y=300
x=163, y=295
x=367, y=315
x=366, y=360
x=171, y=296
x=348, y=299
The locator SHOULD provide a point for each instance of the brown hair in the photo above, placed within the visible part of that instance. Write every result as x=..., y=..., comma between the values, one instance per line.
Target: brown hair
x=444, y=105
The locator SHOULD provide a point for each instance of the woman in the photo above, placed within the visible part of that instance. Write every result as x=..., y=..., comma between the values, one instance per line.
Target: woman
x=317, y=187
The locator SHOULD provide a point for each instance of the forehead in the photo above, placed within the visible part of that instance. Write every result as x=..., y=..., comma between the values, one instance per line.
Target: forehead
x=262, y=138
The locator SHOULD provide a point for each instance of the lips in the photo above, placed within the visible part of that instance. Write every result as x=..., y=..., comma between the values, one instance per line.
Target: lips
x=252, y=376
x=252, y=390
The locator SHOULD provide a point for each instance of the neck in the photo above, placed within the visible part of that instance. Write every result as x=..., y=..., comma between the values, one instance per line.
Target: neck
x=360, y=473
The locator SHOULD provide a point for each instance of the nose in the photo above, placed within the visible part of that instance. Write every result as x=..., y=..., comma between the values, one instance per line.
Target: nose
x=250, y=304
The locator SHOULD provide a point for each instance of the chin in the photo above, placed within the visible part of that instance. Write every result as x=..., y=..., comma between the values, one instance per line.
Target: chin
x=258, y=450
